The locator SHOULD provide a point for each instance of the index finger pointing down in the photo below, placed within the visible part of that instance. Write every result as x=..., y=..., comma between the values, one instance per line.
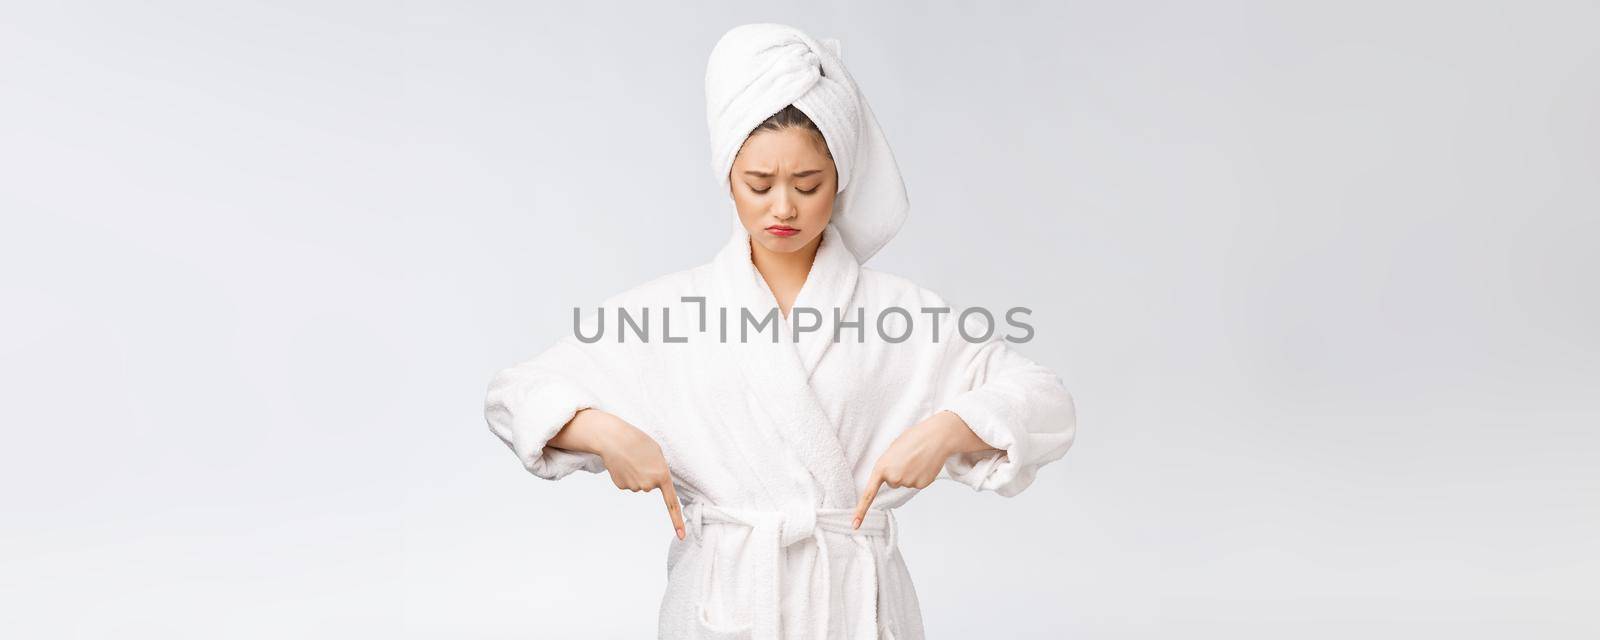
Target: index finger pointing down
x=866, y=499
x=674, y=509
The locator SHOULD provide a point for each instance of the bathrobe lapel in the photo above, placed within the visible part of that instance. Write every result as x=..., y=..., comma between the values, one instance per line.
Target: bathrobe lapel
x=777, y=375
x=830, y=286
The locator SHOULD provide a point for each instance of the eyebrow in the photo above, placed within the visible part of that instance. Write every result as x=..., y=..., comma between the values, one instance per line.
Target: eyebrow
x=797, y=174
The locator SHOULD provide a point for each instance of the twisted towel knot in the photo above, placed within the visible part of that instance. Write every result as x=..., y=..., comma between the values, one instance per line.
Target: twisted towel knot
x=755, y=70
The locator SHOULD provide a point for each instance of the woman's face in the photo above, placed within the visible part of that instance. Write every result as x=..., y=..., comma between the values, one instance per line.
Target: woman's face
x=783, y=184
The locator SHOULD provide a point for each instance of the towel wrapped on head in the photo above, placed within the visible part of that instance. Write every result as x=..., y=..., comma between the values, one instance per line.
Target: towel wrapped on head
x=758, y=69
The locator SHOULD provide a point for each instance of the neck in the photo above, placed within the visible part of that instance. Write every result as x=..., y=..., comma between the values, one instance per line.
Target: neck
x=785, y=273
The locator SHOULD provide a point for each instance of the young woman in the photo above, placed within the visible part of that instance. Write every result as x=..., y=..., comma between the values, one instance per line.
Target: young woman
x=791, y=397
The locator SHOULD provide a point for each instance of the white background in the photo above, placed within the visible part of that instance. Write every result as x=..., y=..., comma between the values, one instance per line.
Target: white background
x=1322, y=278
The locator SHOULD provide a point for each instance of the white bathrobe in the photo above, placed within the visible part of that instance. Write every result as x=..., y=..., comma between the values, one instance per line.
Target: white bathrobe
x=770, y=445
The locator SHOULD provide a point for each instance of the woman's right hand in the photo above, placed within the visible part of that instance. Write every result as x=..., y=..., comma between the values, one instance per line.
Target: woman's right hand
x=632, y=457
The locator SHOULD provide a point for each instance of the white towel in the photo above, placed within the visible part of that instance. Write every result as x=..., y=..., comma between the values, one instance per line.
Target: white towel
x=755, y=71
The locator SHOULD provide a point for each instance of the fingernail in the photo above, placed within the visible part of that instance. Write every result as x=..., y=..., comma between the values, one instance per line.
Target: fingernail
x=680, y=534
x=856, y=524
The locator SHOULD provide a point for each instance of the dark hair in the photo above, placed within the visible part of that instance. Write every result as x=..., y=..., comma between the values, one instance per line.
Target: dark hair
x=789, y=117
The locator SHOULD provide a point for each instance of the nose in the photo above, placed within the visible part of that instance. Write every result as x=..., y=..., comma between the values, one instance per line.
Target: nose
x=784, y=208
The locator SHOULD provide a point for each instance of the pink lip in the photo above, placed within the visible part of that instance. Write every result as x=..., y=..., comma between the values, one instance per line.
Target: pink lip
x=782, y=231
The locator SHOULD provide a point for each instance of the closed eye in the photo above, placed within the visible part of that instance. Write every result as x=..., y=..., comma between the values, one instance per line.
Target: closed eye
x=762, y=191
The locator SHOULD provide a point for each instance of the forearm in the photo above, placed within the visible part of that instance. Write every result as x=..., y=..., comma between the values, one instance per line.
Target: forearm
x=956, y=436
x=589, y=431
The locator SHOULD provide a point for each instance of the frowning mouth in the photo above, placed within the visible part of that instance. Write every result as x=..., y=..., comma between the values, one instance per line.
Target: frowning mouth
x=782, y=231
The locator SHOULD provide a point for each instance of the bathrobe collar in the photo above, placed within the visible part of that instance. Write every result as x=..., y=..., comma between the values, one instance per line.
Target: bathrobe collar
x=778, y=375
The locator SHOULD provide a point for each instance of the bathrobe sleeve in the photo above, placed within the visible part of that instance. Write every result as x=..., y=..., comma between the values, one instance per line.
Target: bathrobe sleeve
x=1010, y=402
x=528, y=404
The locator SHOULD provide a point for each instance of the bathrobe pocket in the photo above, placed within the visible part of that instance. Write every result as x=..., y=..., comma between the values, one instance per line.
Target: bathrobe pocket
x=723, y=609
x=715, y=631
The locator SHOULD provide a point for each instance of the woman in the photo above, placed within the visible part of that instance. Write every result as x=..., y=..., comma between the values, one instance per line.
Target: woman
x=778, y=388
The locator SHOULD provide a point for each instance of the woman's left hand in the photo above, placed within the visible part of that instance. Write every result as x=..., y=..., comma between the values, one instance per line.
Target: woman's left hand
x=915, y=458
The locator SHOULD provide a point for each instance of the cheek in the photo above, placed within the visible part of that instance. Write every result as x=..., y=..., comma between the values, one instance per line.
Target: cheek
x=821, y=209
x=747, y=207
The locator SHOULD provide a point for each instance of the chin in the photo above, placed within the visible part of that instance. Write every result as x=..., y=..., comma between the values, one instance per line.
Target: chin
x=781, y=245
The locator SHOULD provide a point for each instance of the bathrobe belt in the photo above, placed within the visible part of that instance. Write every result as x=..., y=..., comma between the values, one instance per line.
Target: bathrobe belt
x=773, y=531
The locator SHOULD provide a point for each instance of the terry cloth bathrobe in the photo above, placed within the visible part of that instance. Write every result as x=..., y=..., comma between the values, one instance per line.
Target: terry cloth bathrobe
x=771, y=431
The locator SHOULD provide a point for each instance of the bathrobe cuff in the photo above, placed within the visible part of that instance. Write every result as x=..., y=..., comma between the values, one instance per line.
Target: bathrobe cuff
x=988, y=415
x=528, y=420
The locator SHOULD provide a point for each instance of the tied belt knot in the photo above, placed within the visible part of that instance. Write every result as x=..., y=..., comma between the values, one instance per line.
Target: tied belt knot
x=773, y=532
